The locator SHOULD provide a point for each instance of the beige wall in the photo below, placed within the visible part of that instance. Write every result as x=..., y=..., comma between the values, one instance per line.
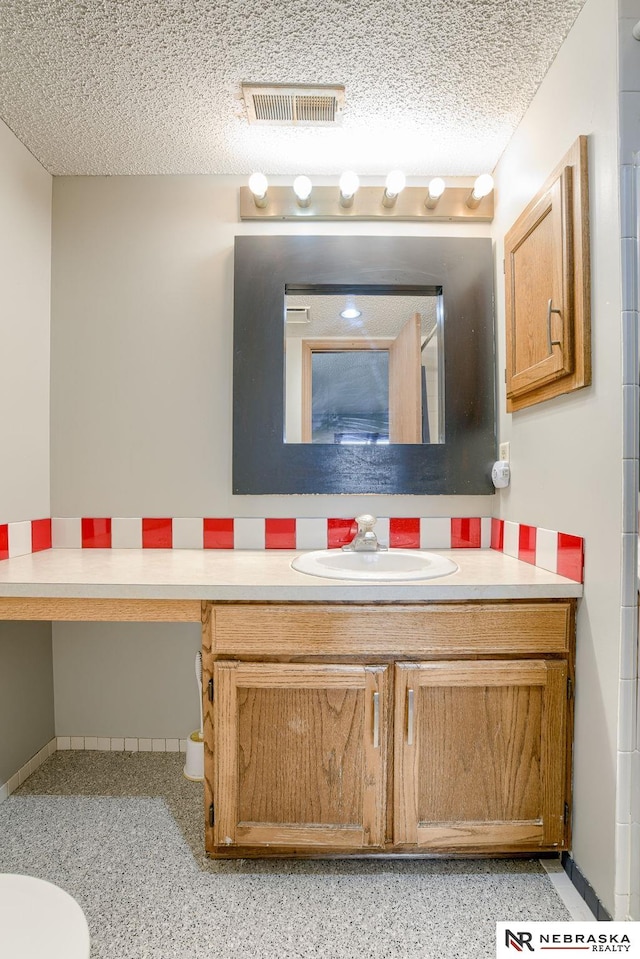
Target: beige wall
x=26, y=681
x=566, y=453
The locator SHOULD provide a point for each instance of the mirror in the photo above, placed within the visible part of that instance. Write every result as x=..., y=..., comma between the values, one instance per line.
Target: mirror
x=269, y=453
x=363, y=366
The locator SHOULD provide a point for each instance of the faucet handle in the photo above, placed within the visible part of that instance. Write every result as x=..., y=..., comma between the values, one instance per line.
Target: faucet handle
x=366, y=522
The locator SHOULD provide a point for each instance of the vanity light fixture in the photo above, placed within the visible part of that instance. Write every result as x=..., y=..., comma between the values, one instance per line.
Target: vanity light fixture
x=435, y=190
x=302, y=187
x=349, y=185
x=481, y=188
x=394, y=184
x=258, y=184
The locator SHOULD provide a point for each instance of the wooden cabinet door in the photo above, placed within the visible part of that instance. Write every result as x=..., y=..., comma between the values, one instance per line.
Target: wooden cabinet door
x=300, y=754
x=539, y=291
x=480, y=754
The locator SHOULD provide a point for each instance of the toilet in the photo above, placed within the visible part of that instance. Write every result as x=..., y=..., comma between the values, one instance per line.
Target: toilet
x=39, y=919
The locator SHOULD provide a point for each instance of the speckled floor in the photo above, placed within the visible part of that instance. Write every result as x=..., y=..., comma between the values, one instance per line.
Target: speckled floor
x=122, y=832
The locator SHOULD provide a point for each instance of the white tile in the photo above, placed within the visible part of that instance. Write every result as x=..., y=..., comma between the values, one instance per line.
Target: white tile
x=90, y=742
x=158, y=745
x=576, y=906
x=628, y=642
x=63, y=742
x=23, y=773
x=183, y=745
x=311, y=533
x=77, y=742
x=623, y=788
x=19, y=538
x=627, y=201
x=626, y=714
x=621, y=910
x=511, y=538
x=435, y=532
x=623, y=847
x=131, y=745
x=66, y=532
x=117, y=745
x=126, y=532
x=629, y=130
x=104, y=744
x=628, y=56
x=485, y=532
x=629, y=253
x=634, y=860
x=635, y=786
x=248, y=532
x=173, y=745
x=144, y=745
x=630, y=495
x=13, y=783
x=634, y=907
x=4, y=792
x=630, y=400
x=382, y=530
x=630, y=348
x=41, y=757
x=547, y=549
x=188, y=533
x=629, y=593
x=52, y=747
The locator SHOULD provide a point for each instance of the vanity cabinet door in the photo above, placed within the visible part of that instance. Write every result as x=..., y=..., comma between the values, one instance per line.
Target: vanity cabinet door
x=480, y=754
x=300, y=755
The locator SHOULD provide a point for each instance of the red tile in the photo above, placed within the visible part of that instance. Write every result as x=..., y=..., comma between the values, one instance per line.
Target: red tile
x=96, y=533
x=4, y=541
x=340, y=532
x=466, y=533
x=40, y=534
x=280, y=533
x=571, y=557
x=497, y=534
x=527, y=544
x=218, y=534
x=404, y=532
x=157, y=534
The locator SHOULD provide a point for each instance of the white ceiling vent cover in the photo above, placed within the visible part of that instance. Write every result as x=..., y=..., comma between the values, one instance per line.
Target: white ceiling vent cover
x=275, y=103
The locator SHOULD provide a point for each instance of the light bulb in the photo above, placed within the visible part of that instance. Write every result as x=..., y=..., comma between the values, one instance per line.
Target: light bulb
x=395, y=183
x=350, y=313
x=258, y=184
x=436, y=188
x=483, y=186
x=302, y=187
x=349, y=183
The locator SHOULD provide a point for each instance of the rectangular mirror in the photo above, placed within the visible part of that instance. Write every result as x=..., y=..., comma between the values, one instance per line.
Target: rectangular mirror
x=450, y=448
x=363, y=365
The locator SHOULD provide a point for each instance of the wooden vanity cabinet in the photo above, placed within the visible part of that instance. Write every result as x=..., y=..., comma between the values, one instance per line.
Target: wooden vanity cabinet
x=340, y=729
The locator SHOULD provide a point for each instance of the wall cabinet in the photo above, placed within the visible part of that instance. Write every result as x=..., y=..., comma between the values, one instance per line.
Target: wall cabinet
x=372, y=729
x=546, y=262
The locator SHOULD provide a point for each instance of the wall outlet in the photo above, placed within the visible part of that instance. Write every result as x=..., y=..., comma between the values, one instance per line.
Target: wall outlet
x=503, y=452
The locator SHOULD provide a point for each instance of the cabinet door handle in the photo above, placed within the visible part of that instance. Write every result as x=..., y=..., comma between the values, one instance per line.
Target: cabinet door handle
x=551, y=342
x=410, y=717
x=376, y=720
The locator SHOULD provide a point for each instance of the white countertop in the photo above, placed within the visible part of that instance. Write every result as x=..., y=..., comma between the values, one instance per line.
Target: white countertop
x=259, y=575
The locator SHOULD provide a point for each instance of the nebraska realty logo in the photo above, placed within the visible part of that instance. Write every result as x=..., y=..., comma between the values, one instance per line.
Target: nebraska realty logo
x=562, y=937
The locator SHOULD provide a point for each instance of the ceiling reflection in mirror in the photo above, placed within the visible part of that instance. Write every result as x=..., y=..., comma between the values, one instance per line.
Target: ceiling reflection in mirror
x=364, y=366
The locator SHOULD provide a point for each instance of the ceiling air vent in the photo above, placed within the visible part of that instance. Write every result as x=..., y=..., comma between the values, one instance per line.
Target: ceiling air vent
x=275, y=103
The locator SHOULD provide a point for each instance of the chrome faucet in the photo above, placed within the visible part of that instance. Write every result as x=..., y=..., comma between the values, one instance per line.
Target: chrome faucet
x=365, y=540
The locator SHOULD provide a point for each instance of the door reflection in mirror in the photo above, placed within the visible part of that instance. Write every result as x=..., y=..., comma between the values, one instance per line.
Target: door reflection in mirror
x=371, y=379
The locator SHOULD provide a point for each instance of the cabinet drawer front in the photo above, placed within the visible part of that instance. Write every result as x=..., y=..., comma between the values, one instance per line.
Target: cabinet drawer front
x=256, y=630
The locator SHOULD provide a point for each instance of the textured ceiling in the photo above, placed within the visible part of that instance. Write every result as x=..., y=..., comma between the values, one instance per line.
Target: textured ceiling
x=380, y=315
x=153, y=86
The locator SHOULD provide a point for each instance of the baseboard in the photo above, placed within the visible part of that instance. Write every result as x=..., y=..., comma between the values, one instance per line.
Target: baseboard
x=25, y=771
x=585, y=888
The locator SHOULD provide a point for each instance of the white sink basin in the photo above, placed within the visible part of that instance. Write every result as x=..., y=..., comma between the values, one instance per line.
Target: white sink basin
x=394, y=565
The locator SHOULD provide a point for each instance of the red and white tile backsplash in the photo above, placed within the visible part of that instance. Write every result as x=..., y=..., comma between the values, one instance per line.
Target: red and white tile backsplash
x=558, y=552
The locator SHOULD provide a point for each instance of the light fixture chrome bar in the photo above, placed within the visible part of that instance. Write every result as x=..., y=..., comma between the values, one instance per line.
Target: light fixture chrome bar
x=324, y=204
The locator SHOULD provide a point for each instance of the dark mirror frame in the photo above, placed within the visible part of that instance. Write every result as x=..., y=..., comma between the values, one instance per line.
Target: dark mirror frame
x=264, y=464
